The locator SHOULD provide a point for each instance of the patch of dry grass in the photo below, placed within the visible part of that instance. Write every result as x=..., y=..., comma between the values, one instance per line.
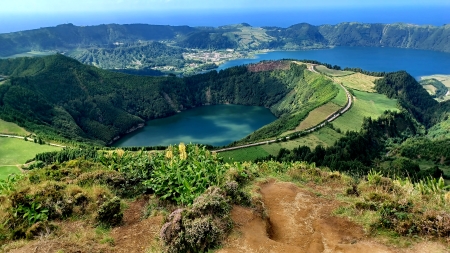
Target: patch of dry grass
x=318, y=115
x=358, y=81
x=430, y=89
x=332, y=72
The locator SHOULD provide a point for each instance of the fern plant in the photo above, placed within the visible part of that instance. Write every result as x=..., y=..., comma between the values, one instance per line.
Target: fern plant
x=184, y=172
x=432, y=186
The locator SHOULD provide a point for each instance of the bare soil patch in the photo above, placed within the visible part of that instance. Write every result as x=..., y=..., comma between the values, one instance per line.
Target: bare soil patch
x=136, y=234
x=299, y=221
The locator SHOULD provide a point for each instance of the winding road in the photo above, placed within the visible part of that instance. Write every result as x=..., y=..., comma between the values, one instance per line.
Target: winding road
x=329, y=119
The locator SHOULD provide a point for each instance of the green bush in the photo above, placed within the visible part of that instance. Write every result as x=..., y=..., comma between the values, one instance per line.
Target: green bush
x=110, y=213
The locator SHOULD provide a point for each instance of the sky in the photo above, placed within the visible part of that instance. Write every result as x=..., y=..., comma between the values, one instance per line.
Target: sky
x=71, y=6
x=18, y=15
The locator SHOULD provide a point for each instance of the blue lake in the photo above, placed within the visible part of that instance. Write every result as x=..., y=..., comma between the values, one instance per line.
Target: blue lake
x=416, y=62
x=217, y=125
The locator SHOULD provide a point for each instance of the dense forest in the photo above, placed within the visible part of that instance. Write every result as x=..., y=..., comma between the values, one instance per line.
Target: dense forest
x=59, y=97
x=411, y=95
x=136, y=56
x=69, y=37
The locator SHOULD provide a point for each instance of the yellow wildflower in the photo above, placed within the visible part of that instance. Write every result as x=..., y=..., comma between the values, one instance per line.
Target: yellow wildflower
x=169, y=154
x=120, y=152
x=182, y=149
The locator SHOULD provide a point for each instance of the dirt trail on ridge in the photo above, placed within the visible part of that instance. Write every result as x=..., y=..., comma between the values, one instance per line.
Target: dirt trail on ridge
x=299, y=221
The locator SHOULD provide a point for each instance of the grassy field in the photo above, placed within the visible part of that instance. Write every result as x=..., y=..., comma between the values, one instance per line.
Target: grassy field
x=11, y=128
x=16, y=151
x=358, y=81
x=365, y=104
x=430, y=89
x=324, y=136
x=341, y=97
x=6, y=170
x=332, y=72
x=321, y=113
x=317, y=115
x=247, y=154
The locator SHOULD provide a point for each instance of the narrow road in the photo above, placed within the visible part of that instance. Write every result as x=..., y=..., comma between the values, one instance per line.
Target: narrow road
x=29, y=139
x=329, y=119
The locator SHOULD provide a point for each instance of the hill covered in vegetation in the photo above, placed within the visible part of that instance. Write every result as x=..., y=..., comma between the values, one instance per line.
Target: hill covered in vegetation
x=59, y=97
x=68, y=37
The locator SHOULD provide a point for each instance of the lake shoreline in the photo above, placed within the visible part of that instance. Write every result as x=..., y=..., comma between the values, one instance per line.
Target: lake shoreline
x=215, y=125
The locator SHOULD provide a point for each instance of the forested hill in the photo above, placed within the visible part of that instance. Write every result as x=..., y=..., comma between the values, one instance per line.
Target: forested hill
x=69, y=36
x=59, y=97
x=242, y=36
x=412, y=97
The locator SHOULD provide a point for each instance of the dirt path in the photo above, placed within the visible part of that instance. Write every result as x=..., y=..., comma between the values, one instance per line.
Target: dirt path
x=299, y=221
x=136, y=234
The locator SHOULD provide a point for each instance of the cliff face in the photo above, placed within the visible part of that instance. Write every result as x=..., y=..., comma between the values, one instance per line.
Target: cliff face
x=388, y=35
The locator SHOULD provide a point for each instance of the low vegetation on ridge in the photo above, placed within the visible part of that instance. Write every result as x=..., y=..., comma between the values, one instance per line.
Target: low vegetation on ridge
x=94, y=191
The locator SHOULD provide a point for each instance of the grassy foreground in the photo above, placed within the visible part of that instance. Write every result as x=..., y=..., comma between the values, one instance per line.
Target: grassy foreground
x=194, y=190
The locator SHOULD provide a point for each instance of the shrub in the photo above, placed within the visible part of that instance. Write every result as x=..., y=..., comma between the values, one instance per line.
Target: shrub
x=201, y=227
x=110, y=213
x=39, y=228
x=235, y=193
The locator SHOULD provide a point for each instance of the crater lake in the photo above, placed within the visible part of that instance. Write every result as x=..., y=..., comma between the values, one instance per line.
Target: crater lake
x=216, y=125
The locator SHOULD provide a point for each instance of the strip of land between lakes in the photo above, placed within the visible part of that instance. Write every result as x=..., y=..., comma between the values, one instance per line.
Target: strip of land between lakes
x=329, y=119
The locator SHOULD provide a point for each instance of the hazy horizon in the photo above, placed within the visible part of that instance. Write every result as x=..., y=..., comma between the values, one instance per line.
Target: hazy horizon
x=48, y=13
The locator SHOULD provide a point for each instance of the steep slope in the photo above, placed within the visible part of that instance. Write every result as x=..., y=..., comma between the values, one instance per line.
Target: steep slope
x=388, y=35
x=413, y=97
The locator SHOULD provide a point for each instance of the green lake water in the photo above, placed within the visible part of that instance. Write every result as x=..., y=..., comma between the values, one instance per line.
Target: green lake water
x=216, y=125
